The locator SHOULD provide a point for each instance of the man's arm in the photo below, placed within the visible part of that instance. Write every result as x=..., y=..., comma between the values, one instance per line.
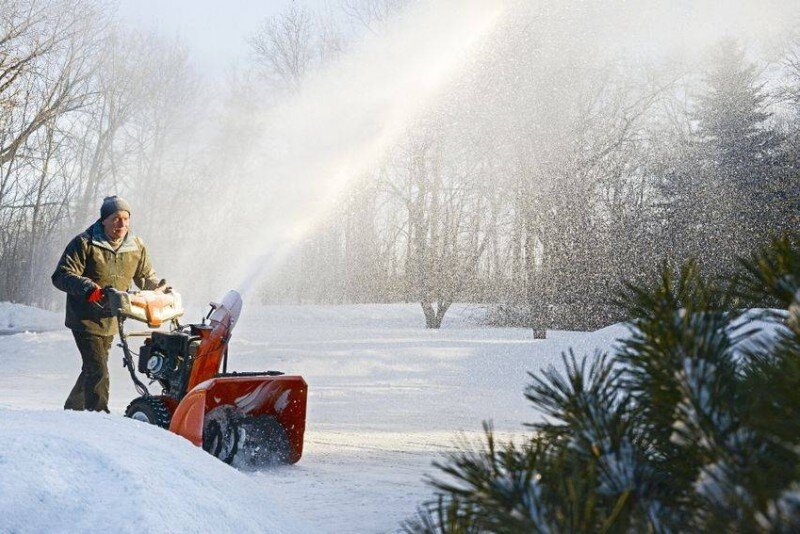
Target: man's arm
x=68, y=275
x=145, y=276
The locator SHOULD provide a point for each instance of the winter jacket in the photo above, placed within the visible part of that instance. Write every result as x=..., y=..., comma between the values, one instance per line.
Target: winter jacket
x=89, y=259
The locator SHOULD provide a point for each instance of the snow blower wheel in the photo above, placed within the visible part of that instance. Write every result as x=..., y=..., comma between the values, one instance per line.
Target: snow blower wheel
x=246, y=442
x=263, y=442
x=221, y=440
x=151, y=410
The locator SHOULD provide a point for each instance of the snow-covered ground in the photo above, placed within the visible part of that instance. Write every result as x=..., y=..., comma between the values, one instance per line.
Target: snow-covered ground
x=386, y=398
x=16, y=318
x=82, y=472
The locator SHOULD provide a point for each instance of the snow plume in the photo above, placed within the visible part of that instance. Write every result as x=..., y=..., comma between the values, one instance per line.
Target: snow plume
x=334, y=130
x=279, y=166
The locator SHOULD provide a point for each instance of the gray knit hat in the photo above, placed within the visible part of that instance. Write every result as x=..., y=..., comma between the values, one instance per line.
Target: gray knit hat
x=112, y=205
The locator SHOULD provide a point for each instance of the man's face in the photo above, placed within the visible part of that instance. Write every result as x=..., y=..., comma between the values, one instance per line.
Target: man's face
x=116, y=225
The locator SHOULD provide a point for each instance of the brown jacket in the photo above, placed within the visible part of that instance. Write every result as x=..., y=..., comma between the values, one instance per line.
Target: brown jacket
x=88, y=260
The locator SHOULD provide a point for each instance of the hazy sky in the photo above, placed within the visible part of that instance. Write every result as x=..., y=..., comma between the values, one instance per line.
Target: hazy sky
x=215, y=30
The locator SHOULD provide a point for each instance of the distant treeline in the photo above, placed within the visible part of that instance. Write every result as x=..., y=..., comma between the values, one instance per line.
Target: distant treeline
x=549, y=170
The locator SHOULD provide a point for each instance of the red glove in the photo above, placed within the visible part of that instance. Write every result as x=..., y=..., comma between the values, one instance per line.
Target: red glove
x=95, y=295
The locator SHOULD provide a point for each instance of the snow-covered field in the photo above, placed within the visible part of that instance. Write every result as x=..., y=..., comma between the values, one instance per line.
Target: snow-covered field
x=386, y=398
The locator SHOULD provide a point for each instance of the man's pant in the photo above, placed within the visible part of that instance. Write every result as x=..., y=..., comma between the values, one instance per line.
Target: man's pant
x=91, y=389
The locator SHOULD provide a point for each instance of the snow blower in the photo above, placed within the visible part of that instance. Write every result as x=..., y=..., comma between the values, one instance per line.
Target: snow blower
x=248, y=419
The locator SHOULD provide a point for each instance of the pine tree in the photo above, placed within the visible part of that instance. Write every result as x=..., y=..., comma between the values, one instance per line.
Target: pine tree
x=692, y=424
x=739, y=156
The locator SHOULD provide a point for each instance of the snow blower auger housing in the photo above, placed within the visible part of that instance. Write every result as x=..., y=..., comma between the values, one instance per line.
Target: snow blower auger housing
x=246, y=419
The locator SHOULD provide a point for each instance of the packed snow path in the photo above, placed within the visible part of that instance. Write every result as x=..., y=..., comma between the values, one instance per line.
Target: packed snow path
x=386, y=396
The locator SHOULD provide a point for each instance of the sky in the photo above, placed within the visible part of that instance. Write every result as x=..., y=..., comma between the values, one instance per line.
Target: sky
x=215, y=31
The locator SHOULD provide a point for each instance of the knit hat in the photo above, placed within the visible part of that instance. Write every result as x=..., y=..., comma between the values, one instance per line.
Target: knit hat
x=112, y=205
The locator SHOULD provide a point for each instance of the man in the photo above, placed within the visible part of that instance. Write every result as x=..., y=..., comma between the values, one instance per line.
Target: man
x=106, y=254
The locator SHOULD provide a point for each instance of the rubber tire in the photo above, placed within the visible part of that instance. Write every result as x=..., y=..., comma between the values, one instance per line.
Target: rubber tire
x=219, y=442
x=247, y=442
x=151, y=410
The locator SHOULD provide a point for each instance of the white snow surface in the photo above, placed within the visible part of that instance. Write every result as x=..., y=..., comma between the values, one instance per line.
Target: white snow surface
x=20, y=318
x=89, y=472
x=386, y=398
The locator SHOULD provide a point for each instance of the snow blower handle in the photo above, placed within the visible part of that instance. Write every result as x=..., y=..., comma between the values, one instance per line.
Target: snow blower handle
x=113, y=302
x=127, y=359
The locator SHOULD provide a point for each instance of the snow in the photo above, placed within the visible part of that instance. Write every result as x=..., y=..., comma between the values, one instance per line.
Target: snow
x=20, y=318
x=618, y=470
x=387, y=397
x=89, y=472
x=784, y=510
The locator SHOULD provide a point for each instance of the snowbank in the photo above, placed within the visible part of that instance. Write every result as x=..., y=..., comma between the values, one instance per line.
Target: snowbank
x=88, y=472
x=20, y=318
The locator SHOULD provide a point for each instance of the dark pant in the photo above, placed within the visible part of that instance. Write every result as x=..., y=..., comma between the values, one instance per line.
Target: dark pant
x=91, y=389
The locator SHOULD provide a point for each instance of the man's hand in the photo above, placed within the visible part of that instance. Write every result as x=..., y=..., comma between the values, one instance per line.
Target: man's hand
x=163, y=287
x=95, y=294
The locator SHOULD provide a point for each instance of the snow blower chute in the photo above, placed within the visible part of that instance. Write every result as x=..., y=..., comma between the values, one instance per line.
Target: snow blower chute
x=245, y=419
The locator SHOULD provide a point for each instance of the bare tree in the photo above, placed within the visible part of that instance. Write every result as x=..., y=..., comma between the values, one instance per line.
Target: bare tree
x=47, y=56
x=284, y=46
x=448, y=223
x=43, y=63
x=372, y=14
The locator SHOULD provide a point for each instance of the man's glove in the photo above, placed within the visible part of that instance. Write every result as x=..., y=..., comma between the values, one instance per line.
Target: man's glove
x=95, y=294
x=163, y=287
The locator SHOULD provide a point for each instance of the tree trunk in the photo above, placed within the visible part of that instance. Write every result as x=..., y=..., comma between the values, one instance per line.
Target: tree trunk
x=434, y=316
x=430, y=315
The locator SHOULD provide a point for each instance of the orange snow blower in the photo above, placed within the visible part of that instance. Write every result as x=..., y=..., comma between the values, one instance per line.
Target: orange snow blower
x=247, y=419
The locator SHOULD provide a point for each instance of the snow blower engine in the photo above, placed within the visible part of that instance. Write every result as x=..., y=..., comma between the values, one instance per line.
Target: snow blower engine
x=246, y=419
